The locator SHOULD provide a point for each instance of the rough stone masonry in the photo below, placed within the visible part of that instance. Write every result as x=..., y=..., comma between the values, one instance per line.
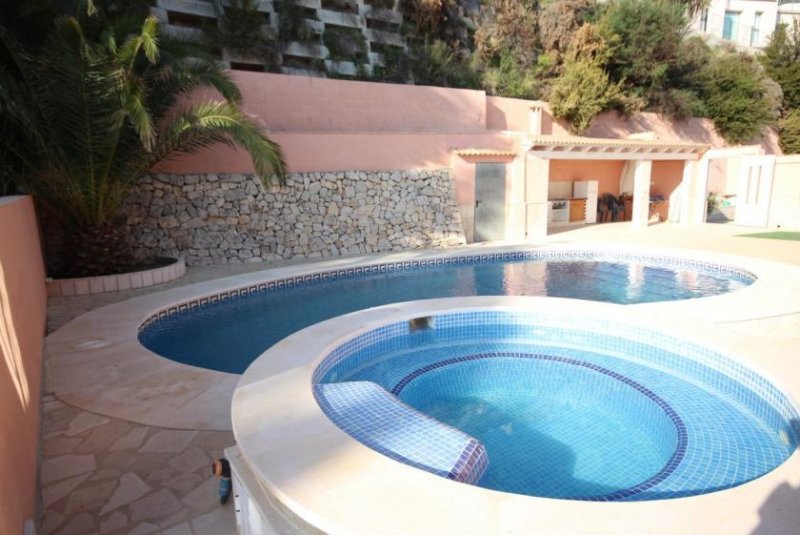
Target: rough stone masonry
x=233, y=218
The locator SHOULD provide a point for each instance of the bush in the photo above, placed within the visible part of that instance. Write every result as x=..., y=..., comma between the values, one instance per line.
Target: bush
x=781, y=59
x=584, y=89
x=508, y=29
x=509, y=79
x=735, y=96
x=789, y=131
x=581, y=92
x=558, y=22
x=439, y=64
x=651, y=56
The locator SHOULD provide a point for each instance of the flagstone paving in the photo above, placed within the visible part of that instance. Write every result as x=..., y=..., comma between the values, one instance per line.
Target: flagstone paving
x=110, y=476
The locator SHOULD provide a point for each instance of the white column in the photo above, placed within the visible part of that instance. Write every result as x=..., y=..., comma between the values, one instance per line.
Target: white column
x=642, y=170
x=681, y=199
x=535, y=121
x=537, y=177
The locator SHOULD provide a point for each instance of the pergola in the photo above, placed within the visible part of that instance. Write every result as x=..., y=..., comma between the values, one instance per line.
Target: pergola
x=540, y=149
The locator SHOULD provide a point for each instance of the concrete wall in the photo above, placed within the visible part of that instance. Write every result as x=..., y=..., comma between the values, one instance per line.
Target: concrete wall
x=23, y=308
x=784, y=209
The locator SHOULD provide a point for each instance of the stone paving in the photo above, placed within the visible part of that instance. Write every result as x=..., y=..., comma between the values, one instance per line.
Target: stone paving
x=110, y=476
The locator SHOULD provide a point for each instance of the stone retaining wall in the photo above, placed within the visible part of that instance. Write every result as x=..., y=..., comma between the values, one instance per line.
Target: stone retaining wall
x=221, y=219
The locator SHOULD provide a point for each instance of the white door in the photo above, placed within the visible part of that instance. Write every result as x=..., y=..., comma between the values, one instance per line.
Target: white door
x=755, y=190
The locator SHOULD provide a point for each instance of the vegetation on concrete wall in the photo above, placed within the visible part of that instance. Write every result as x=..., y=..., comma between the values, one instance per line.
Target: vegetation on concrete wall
x=781, y=60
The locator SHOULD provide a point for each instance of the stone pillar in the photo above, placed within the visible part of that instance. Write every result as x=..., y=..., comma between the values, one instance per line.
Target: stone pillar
x=537, y=178
x=642, y=170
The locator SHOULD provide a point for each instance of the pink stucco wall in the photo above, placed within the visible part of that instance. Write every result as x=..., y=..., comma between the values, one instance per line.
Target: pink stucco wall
x=316, y=151
x=306, y=104
x=334, y=125
x=23, y=307
x=607, y=172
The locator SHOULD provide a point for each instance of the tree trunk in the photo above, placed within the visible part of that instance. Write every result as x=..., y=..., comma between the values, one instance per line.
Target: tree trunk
x=92, y=251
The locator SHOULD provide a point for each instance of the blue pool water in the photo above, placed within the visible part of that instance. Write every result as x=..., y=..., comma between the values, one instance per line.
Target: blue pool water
x=228, y=336
x=567, y=413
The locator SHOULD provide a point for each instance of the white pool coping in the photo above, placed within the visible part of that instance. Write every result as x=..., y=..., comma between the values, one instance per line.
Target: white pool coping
x=331, y=483
x=96, y=362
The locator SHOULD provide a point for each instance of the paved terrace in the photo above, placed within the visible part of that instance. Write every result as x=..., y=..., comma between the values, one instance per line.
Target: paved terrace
x=105, y=475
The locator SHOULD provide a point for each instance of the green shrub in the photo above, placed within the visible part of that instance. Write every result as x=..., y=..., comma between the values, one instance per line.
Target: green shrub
x=509, y=79
x=584, y=88
x=651, y=56
x=781, y=59
x=735, y=96
x=440, y=64
x=581, y=92
x=789, y=131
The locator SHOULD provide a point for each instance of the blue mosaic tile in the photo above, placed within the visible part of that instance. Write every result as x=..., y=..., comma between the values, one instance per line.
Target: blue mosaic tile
x=379, y=420
x=739, y=425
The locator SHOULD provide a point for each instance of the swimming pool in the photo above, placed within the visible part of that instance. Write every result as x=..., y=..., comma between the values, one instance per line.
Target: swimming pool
x=228, y=332
x=565, y=407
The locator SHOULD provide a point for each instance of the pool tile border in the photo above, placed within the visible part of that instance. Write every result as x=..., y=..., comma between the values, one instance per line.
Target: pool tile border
x=661, y=260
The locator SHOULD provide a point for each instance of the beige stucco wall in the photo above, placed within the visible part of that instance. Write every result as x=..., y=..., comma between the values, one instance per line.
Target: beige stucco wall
x=22, y=321
x=784, y=209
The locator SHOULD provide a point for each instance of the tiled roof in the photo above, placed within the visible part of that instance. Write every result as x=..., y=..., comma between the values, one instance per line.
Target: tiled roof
x=578, y=144
x=485, y=152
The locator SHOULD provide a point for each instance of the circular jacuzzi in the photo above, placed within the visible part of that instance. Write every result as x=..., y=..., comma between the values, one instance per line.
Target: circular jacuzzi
x=562, y=407
x=517, y=415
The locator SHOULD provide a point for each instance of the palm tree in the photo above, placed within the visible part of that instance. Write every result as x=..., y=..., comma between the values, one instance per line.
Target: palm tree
x=84, y=119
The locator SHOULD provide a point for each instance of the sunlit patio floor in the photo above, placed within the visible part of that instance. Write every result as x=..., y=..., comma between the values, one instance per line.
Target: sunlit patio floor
x=101, y=474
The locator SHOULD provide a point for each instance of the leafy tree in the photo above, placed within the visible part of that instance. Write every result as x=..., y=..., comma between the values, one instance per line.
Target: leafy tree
x=559, y=20
x=84, y=120
x=789, y=132
x=652, y=57
x=735, y=96
x=509, y=79
x=584, y=89
x=508, y=29
x=781, y=59
x=440, y=64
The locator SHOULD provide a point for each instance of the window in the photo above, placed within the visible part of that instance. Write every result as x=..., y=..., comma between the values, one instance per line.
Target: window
x=755, y=31
x=704, y=20
x=730, y=27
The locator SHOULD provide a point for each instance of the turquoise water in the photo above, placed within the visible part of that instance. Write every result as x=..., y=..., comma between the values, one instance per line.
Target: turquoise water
x=228, y=336
x=611, y=420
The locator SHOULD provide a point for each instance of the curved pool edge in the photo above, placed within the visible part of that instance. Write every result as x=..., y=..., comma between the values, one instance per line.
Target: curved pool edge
x=313, y=468
x=96, y=362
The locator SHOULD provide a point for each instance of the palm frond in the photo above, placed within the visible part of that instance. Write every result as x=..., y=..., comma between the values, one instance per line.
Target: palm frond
x=208, y=123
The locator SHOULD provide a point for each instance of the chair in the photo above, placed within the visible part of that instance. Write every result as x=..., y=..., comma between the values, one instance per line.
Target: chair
x=607, y=205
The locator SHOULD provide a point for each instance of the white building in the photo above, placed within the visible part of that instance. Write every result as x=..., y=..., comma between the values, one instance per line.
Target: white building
x=745, y=23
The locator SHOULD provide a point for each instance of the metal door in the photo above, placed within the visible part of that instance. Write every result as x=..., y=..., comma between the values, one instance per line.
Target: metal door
x=755, y=190
x=490, y=201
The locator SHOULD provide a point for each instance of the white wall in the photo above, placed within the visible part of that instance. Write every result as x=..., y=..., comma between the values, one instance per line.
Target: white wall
x=784, y=208
x=747, y=10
